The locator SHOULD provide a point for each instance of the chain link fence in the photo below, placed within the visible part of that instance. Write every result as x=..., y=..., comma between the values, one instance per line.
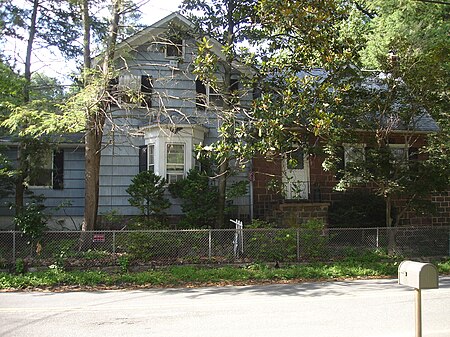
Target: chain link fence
x=102, y=248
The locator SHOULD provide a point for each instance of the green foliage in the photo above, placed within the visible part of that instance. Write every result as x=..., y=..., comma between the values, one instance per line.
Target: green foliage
x=146, y=246
x=370, y=265
x=7, y=175
x=358, y=208
x=20, y=266
x=147, y=194
x=313, y=240
x=272, y=244
x=124, y=263
x=11, y=88
x=198, y=200
x=32, y=221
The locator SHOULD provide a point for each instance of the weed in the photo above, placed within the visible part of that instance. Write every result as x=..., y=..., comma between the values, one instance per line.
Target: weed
x=20, y=266
x=124, y=264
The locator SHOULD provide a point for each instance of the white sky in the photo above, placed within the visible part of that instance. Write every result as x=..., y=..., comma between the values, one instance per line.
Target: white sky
x=52, y=64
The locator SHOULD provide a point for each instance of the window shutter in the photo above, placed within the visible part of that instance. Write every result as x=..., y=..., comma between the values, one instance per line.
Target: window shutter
x=143, y=158
x=147, y=90
x=113, y=90
x=58, y=170
x=200, y=99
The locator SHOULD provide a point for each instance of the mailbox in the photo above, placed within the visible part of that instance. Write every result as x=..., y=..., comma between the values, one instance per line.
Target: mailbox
x=418, y=275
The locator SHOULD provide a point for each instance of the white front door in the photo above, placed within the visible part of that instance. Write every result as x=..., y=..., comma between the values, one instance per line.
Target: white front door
x=296, y=176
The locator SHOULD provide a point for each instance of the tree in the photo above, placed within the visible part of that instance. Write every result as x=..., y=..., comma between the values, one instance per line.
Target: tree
x=405, y=42
x=50, y=24
x=229, y=22
x=95, y=100
x=147, y=194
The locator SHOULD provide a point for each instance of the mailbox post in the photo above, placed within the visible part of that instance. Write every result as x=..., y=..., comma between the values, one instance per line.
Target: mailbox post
x=418, y=276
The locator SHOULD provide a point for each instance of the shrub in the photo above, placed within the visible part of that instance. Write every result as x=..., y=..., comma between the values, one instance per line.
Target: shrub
x=358, y=209
x=313, y=241
x=271, y=244
x=32, y=222
x=147, y=194
x=198, y=200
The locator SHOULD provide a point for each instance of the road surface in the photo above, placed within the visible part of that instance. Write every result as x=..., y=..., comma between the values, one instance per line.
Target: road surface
x=374, y=308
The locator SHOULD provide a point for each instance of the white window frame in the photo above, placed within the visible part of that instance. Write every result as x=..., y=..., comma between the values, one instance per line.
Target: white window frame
x=405, y=149
x=151, y=157
x=160, y=136
x=353, y=152
x=173, y=175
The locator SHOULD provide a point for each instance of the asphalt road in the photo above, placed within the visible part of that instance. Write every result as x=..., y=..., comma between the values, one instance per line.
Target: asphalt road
x=334, y=309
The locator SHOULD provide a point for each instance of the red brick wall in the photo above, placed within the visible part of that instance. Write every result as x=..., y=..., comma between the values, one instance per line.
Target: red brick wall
x=267, y=203
x=264, y=200
x=442, y=202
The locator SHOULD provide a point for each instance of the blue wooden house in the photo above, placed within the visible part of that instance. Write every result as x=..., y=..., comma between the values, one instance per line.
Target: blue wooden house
x=160, y=112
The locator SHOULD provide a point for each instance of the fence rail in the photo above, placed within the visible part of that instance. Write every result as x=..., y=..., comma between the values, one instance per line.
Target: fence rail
x=209, y=245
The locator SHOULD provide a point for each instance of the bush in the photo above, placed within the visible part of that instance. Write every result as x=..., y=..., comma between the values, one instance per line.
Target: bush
x=358, y=209
x=198, y=200
x=146, y=246
x=147, y=194
x=271, y=244
x=32, y=222
x=313, y=241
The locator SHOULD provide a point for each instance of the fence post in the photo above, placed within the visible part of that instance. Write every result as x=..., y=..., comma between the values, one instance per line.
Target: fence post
x=14, y=248
x=298, y=244
x=378, y=237
x=114, y=242
x=209, y=244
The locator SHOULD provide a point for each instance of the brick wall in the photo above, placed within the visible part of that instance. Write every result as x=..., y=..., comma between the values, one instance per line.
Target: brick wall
x=442, y=202
x=264, y=199
x=267, y=203
x=292, y=214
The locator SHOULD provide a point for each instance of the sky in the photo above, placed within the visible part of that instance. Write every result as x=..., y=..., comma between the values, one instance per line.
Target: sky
x=52, y=64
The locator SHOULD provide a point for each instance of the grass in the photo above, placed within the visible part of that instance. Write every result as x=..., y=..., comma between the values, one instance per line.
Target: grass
x=189, y=276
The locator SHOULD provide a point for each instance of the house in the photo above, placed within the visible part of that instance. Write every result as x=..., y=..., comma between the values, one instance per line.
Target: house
x=302, y=189
x=161, y=112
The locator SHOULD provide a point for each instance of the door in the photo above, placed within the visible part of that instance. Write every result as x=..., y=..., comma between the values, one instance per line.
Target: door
x=296, y=175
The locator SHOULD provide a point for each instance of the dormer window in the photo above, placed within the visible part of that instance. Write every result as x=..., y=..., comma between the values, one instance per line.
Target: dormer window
x=174, y=48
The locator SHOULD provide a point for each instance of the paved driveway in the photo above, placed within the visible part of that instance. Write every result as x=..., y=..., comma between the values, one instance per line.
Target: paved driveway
x=334, y=309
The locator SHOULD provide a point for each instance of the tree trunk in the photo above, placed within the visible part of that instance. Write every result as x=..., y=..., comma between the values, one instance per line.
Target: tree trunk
x=222, y=187
x=391, y=232
x=227, y=113
x=22, y=161
x=96, y=121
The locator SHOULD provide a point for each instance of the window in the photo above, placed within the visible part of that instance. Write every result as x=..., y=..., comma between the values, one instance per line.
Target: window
x=399, y=152
x=353, y=153
x=209, y=97
x=51, y=174
x=175, y=162
x=135, y=89
x=147, y=158
x=43, y=176
x=151, y=158
x=174, y=48
x=170, y=149
x=295, y=160
x=146, y=91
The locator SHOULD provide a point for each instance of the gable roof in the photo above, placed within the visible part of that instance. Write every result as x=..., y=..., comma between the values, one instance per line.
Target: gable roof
x=162, y=25
x=154, y=29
